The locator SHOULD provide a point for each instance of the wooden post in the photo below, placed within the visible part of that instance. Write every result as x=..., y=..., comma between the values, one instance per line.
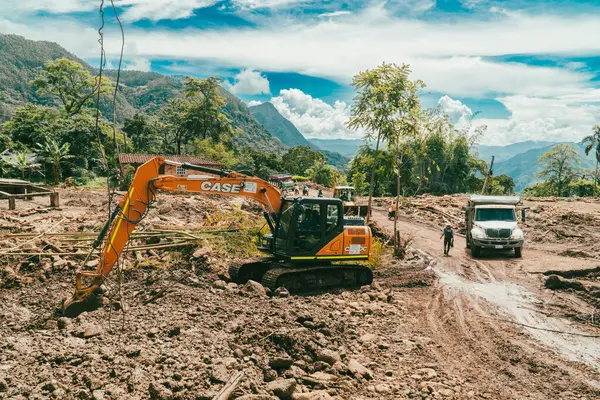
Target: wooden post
x=54, y=200
x=12, y=204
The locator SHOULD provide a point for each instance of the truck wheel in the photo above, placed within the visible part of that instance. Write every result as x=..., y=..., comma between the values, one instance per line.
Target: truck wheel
x=518, y=252
x=475, y=251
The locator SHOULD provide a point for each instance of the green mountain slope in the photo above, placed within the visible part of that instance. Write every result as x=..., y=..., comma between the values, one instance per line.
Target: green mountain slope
x=22, y=59
x=283, y=129
x=504, y=153
x=278, y=125
x=523, y=167
x=346, y=147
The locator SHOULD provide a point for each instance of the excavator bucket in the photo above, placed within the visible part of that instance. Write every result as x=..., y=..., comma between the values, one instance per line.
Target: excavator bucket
x=73, y=307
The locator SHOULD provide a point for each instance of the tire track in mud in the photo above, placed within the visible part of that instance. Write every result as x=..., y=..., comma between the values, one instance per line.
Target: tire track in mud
x=470, y=316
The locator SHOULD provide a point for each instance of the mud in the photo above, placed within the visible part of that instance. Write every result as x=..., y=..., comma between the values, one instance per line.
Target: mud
x=430, y=327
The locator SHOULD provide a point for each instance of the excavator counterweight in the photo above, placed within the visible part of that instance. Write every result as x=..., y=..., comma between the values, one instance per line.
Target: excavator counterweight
x=307, y=234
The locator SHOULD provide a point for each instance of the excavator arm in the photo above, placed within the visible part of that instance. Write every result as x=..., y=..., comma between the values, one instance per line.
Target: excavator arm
x=134, y=206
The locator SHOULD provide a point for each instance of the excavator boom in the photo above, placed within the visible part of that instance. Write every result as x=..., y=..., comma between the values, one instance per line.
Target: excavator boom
x=132, y=208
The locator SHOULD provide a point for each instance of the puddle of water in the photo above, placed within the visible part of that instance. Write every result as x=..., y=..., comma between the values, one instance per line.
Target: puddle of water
x=515, y=301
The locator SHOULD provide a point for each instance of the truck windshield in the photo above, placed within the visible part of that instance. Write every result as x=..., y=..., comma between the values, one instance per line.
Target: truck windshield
x=495, y=214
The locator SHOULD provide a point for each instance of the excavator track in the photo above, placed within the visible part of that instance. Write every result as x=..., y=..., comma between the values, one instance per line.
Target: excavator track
x=317, y=278
x=242, y=273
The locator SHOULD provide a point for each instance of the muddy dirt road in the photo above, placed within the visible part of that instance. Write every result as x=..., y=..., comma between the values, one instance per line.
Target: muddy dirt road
x=494, y=320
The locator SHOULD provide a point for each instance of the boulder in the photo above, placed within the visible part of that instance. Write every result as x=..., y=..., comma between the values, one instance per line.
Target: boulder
x=255, y=288
x=283, y=388
x=357, y=369
x=329, y=356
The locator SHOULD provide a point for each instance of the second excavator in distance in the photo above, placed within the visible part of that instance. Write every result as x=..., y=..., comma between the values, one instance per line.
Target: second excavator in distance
x=307, y=234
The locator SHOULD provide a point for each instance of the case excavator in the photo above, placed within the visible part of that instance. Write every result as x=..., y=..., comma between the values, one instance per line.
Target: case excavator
x=307, y=235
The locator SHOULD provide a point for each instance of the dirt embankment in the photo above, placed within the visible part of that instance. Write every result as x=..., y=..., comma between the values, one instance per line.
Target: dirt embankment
x=430, y=327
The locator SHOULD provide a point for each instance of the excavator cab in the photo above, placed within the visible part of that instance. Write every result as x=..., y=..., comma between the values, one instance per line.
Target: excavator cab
x=305, y=226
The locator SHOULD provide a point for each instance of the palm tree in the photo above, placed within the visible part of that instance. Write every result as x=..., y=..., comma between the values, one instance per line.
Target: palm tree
x=22, y=161
x=592, y=142
x=54, y=154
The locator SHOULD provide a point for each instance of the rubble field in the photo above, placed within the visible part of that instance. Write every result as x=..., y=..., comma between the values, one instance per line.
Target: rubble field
x=173, y=327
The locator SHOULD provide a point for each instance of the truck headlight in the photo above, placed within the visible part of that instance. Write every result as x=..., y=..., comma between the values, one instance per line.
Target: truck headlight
x=517, y=234
x=477, y=234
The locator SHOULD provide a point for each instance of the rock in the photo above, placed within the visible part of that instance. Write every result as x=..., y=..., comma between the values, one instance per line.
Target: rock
x=282, y=292
x=329, y=356
x=92, y=264
x=3, y=385
x=446, y=392
x=316, y=395
x=256, y=397
x=322, y=377
x=152, y=332
x=367, y=337
x=269, y=375
x=202, y=252
x=60, y=265
x=427, y=373
x=382, y=388
x=175, y=331
x=219, y=284
x=165, y=209
x=98, y=395
x=83, y=394
x=158, y=392
x=90, y=330
x=281, y=362
x=283, y=388
x=51, y=324
x=255, y=288
x=376, y=286
x=219, y=373
x=357, y=369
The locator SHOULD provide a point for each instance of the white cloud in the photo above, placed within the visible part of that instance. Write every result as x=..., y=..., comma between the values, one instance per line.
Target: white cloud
x=334, y=14
x=54, y=7
x=156, y=10
x=249, y=81
x=266, y=3
x=138, y=64
x=253, y=103
x=561, y=118
x=313, y=117
x=456, y=110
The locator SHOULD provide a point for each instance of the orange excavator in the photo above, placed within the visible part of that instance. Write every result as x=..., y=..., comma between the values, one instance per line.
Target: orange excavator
x=307, y=234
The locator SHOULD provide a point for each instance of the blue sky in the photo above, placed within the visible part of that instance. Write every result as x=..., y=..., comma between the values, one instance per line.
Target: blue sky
x=529, y=69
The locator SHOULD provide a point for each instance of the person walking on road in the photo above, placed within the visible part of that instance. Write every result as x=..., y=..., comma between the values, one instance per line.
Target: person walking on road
x=448, y=235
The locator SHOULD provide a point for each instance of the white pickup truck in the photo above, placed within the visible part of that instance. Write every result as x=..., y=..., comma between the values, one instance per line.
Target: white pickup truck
x=491, y=223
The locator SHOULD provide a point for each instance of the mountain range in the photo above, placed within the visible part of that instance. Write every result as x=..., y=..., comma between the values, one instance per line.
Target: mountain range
x=523, y=167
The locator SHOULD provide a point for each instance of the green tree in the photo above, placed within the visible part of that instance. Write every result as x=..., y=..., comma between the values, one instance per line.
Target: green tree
x=322, y=173
x=385, y=93
x=175, y=134
x=359, y=181
x=592, y=142
x=218, y=152
x=298, y=159
x=143, y=133
x=23, y=161
x=503, y=185
x=32, y=124
x=204, y=117
x=54, y=154
x=74, y=86
x=559, y=167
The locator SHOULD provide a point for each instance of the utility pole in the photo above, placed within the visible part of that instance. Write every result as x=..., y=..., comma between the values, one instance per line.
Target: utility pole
x=489, y=176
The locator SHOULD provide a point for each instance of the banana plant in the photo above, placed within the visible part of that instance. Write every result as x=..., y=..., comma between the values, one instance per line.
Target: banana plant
x=54, y=154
